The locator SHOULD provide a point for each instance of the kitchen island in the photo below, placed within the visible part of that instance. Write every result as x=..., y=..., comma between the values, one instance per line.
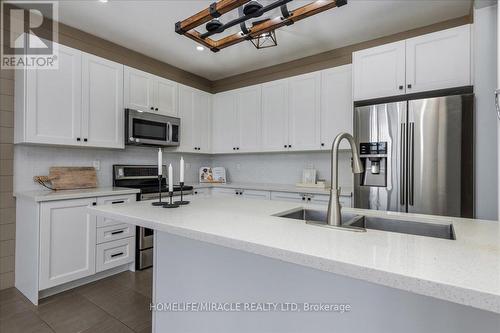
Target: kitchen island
x=230, y=264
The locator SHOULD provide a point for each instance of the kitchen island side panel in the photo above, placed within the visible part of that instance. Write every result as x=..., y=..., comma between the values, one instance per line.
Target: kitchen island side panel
x=193, y=271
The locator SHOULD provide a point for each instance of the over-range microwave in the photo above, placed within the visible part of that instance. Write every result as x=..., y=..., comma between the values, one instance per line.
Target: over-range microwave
x=145, y=128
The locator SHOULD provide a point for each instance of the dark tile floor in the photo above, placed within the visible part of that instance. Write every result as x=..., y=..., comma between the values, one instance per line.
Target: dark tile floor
x=119, y=303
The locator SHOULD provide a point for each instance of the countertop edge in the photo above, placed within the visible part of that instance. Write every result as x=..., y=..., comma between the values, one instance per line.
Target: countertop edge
x=454, y=294
x=39, y=196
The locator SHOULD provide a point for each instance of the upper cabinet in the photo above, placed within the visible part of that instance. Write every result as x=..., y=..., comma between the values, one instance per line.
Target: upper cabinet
x=275, y=115
x=224, y=123
x=102, y=102
x=195, y=113
x=147, y=92
x=379, y=71
x=78, y=104
x=438, y=60
x=304, y=111
x=336, y=105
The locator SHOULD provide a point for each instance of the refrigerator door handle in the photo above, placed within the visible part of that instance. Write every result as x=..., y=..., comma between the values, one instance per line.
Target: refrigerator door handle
x=411, y=162
x=402, y=165
x=497, y=91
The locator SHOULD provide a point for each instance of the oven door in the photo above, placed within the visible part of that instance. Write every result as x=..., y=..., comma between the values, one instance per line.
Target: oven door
x=144, y=128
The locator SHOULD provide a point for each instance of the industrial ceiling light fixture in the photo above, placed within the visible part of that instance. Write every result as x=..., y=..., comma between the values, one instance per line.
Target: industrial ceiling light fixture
x=262, y=33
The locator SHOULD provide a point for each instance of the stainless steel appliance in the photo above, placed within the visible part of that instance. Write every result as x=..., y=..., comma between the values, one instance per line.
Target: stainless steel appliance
x=145, y=128
x=145, y=178
x=417, y=155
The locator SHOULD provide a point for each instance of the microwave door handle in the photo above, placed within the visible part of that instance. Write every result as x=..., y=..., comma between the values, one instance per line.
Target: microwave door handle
x=169, y=129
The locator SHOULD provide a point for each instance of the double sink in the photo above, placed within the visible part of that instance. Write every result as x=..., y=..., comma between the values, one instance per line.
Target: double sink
x=361, y=223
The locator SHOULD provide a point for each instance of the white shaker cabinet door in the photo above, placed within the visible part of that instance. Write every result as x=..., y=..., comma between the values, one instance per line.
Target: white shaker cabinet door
x=165, y=100
x=439, y=60
x=275, y=116
x=202, y=107
x=102, y=102
x=304, y=111
x=336, y=105
x=224, y=123
x=53, y=98
x=138, y=90
x=379, y=71
x=67, y=241
x=249, y=117
x=186, y=113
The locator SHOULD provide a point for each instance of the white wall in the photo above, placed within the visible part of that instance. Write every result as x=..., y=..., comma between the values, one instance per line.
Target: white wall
x=32, y=161
x=282, y=168
x=485, y=69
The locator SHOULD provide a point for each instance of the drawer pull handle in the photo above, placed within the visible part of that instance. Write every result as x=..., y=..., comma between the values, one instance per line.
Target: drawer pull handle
x=117, y=202
x=117, y=232
x=116, y=254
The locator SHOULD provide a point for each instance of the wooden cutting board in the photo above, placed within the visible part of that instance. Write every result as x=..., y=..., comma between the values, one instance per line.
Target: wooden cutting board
x=67, y=178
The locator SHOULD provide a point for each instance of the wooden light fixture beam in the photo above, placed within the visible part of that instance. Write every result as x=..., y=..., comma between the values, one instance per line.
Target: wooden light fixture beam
x=216, y=9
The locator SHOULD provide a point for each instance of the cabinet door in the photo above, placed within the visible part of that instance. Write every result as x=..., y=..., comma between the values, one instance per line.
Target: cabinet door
x=67, y=241
x=186, y=113
x=220, y=191
x=336, y=105
x=165, y=100
x=304, y=111
x=254, y=194
x=275, y=116
x=224, y=123
x=288, y=196
x=138, y=89
x=379, y=71
x=202, y=109
x=54, y=101
x=102, y=102
x=439, y=60
x=248, y=131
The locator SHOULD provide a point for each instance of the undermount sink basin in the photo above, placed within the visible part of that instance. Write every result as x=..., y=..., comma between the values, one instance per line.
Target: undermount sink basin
x=361, y=223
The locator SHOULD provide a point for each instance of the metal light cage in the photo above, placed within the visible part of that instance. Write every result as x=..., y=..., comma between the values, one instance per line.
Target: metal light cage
x=265, y=40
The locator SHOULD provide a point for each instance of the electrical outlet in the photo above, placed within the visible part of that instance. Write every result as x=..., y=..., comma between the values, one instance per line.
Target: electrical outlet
x=97, y=165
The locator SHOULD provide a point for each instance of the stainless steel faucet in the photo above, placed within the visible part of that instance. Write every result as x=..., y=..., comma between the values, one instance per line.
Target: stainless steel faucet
x=334, y=217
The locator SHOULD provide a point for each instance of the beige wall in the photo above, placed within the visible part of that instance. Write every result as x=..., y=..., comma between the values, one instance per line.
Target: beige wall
x=7, y=202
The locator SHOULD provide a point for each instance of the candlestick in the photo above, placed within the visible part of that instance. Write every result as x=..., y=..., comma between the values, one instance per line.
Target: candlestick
x=159, y=202
x=181, y=202
x=160, y=162
x=181, y=177
x=171, y=204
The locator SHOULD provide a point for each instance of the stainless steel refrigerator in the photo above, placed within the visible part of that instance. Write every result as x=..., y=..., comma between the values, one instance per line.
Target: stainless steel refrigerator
x=417, y=154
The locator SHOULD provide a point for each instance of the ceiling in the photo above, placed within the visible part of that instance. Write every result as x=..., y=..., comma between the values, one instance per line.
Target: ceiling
x=148, y=27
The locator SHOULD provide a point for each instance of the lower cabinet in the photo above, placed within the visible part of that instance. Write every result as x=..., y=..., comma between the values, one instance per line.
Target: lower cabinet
x=238, y=192
x=67, y=241
x=202, y=192
x=317, y=199
x=75, y=244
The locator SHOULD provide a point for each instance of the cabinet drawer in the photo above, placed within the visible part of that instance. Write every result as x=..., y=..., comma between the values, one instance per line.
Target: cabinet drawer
x=114, y=232
x=113, y=200
x=115, y=253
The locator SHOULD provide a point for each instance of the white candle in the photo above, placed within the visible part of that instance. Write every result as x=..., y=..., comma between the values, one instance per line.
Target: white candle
x=160, y=162
x=170, y=178
x=181, y=178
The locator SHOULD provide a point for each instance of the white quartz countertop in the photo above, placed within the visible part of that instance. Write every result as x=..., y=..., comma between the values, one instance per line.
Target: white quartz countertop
x=345, y=191
x=464, y=271
x=48, y=195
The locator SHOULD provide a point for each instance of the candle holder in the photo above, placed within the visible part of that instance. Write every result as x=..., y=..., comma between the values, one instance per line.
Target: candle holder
x=170, y=205
x=159, y=202
x=181, y=202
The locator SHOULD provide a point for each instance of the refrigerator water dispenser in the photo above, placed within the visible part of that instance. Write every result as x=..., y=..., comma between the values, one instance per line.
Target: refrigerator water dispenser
x=374, y=158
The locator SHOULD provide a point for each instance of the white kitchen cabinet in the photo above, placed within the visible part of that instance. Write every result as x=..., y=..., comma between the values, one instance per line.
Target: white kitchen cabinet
x=224, y=191
x=102, y=102
x=48, y=103
x=224, y=122
x=323, y=199
x=304, y=111
x=439, y=60
x=249, y=117
x=288, y=196
x=194, y=111
x=78, y=104
x=67, y=241
x=256, y=194
x=275, y=116
x=115, y=253
x=147, y=92
x=379, y=71
x=336, y=105
x=113, y=200
x=202, y=192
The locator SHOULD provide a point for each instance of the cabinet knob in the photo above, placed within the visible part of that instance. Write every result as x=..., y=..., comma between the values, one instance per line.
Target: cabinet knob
x=85, y=140
x=401, y=87
x=308, y=199
x=322, y=144
x=237, y=148
x=156, y=109
x=152, y=108
x=77, y=139
x=409, y=86
x=304, y=198
x=234, y=148
x=284, y=146
x=289, y=146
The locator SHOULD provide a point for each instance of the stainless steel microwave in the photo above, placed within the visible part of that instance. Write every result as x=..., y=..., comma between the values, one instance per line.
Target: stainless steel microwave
x=145, y=128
